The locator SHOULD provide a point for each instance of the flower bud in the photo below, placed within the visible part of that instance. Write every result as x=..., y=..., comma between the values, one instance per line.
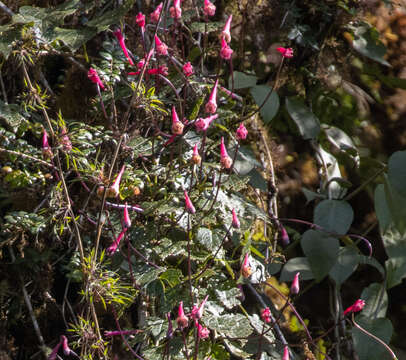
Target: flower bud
x=209, y=9
x=294, y=289
x=182, y=320
x=188, y=204
x=188, y=69
x=177, y=126
x=357, y=306
x=196, y=158
x=225, y=160
x=156, y=13
x=235, y=223
x=225, y=34
x=160, y=46
x=246, y=268
x=266, y=315
x=241, y=132
x=211, y=105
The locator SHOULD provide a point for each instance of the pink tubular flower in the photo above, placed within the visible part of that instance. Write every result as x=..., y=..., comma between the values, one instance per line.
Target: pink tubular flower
x=209, y=9
x=177, y=126
x=294, y=289
x=241, y=132
x=357, y=306
x=235, y=223
x=286, y=52
x=118, y=34
x=202, y=332
x=126, y=218
x=197, y=312
x=65, y=346
x=188, y=204
x=266, y=315
x=175, y=10
x=196, y=158
x=162, y=70
x=203, y=124
x=65, y=141
x=140, y=64
x=182, y=320
x=246, y=268
x=211, y=106
x=53, y=354
x=226, y=52
x=284, y=236
x=285, y=353
x=188, y=69
x=114, y=189
x=94, y=77
x=225, y=34
x=46, y=149
x=160, y=46
x=156, y=13
x=114, y=246
x=140, y=20
x=225, y=160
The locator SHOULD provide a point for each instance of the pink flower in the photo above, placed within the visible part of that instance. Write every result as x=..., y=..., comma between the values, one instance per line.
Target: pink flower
x=94, y=77
x=241, y=132
x=188, y=204
x=126, y=219
x=235, y=223
x=285, y=353
x=266, y=315
x=175, y=10
x=246, y=268
x=211, y=106
x=294, y=289
x=286, y=52
x=196, y=158
x=160, y=46
x=53, y=354
x=225, y=34
x=66, y=350
x=140, y=20
x=209, y=9
x=197, y=312
x=182, y=320
x=65, y=141
x=46, y=149
x=188, y=69
x=177, y=126
x=284, y=236
x=225, y=160
x=140, y=64
x=202, y=332
x=114, y=189
x=162, y=70
x=226, y=52
x=113, y=247
x=357, y=306
x=203, y=124
x=156, y=13
x=118, y=34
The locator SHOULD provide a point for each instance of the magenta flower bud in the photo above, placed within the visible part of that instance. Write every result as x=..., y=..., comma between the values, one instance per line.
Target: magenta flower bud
x=188, y=69
x=118, y=34
x=197, y=312
x=156, y=13
x=286, y=52
x=53, y=354
x=140, y=20
x=140, y=64
x=266, y=315
x=225, y=34
x=202, y=332
x=177, y=126
x=294, y=289
x=246, y=267
x=241, y=132
x=211, y=106
x=113, y=247
x=126, y=219
x=188, y=204
x=235, y=223
x=182, y=320
x=226, y=52
x=225, y=160
x=357, y=306
x=66, y=350
x=94, y=77
x=209, y=9
x=196, y=158
x=65, y=141
x=114, y=190
x=284, y=236
x=175, y=10
x=203, y=124
x=160, y=47
x=46, y=149
x=285, y=353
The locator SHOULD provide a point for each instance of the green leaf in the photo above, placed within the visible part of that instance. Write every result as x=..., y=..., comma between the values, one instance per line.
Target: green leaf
x=396, y=204
x=397, y=171
x=297, y=264
x=242, y=80
x=381, y=208
x=376, y=301
x=232, y=325
x=271, y=107
x=366, y=347
x=204, y=237
x=257, y=180
x=228, y=295
x=8, y=34
x=341, y=141
x=171, y=276
x=334, y=216
x=321, y=251
x=203, y=27
x=306, y=121
x=10, y=113
x=346, y=264
x=367, y=43
x=73, y=38
x=245, y=160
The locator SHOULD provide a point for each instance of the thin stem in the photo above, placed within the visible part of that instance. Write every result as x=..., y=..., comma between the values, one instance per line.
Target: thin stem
x=365, y=184
x=29, y=157
x=189, y=265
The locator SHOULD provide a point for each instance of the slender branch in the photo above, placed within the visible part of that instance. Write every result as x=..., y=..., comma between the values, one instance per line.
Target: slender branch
x=29, y=157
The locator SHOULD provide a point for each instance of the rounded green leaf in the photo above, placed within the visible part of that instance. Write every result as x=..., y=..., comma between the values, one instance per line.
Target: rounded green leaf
x=397, y=171
x=376, y=300
x=297, y=264
x=346, y=264
x=321, y=251
x=334, y=215
x=271, y=107
x=306, y=121
x=242, y=80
